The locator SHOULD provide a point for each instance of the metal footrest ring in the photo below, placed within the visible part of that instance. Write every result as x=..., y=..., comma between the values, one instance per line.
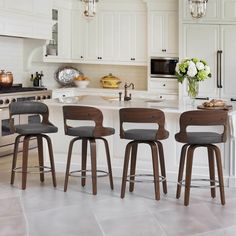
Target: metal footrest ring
x=104, y=173
x=48, y=169
x=161, y=178
x=182, y=183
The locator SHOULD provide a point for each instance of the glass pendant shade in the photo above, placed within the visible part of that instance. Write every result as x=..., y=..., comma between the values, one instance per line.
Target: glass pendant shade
x=89, y=7
x=198, y=8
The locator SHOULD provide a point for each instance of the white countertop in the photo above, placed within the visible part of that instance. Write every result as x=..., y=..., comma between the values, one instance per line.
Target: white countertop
x=113, y=103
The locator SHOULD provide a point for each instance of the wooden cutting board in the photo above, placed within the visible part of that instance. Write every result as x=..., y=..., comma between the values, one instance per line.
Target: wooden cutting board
x=226, y=107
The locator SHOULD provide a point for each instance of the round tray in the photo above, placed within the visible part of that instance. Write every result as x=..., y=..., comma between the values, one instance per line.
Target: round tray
x=65, y=75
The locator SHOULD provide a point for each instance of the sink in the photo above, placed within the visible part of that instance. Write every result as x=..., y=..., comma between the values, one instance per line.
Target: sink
x=154, y=100
x=110, y=98
x=70, y=100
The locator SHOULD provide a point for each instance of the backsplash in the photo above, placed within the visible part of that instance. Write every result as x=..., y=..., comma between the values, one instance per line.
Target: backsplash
x=12, y=59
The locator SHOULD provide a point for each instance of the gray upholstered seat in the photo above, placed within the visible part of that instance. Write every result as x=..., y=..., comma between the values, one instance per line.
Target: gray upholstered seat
x=86, y=131
x=140, y=134
x=203, y=137
x=35, y=129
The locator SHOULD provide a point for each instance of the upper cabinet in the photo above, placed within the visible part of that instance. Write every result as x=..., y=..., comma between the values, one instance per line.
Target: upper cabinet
x=217, y=11
x=58, y=48
x=30, y=18
x=163, y=27
x=116, y=35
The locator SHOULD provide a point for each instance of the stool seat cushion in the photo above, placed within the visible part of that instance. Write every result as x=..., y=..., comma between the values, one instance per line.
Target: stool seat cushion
x=141, y=134
x=87, y=131
x=202, y=138
x=35, y=129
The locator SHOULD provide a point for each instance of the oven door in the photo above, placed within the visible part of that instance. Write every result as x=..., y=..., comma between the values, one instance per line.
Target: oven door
x=7, y=139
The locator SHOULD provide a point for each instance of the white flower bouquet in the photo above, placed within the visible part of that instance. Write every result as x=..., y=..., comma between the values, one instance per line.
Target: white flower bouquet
x=192, y=68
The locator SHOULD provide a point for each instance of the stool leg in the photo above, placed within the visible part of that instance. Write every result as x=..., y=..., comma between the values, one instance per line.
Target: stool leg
x=181, y=169
x=40, y=154
x=155, y=170
x=17, y=140
x=25, y=160
x=125, y=169
x=68, y=164
x=162, y=164
x=51, y=160
x=220, y=174
x=93, y=165
x=84, y=161
x=211, y=170
x=133, y=166
x=189, y=166
x=108, y=162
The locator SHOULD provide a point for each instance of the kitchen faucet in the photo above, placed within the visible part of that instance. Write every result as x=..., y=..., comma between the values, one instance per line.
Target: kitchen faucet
x=126, y=97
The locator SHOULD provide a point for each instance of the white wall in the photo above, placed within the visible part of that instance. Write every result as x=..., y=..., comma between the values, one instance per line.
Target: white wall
x=23, y=57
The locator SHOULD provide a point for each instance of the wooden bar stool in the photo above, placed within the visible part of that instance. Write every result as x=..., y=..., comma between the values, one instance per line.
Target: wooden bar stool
x=146, y=136
x=197, y=139
x=28, y=131
x=87, y=134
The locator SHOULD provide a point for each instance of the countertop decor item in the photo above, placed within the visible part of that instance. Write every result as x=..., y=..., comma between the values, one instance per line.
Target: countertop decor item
x=81, y=81
x=65, y=75
x=194, y=70
x=6, y=78
x=110, y=81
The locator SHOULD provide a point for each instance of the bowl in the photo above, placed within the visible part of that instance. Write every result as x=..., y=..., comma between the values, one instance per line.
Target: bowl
x=82, y=83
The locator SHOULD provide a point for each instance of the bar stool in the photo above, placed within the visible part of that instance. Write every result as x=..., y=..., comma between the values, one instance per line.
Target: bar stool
x=87, y=133
x=197, y=139
x=28, y=131
x=146, y=136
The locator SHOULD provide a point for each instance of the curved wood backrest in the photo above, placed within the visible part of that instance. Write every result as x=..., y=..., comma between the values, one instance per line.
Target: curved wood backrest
x=84, y=113
x=30, y=108
x=203, y=118
x=144, y=115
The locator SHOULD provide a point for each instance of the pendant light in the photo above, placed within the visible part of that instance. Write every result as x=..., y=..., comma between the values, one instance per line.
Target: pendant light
x=198, y=8
x=89, y=7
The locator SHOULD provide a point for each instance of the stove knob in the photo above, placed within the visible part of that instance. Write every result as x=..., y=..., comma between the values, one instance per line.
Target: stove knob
x=1, y=101
x=13, y=100
x=38, y=98
x=44, y=97
x=7, y=101
x=48, y=97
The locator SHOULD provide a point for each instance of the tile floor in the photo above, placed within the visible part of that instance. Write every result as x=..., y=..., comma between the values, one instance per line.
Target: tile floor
x=41, y=210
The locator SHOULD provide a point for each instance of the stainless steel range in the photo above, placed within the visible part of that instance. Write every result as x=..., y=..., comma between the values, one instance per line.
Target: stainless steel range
x=13, y=94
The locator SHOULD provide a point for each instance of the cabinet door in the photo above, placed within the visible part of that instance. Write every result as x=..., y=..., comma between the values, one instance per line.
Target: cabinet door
x=91, y=39
x=163, y=33
x=106, y=35
x=228, y=36
x=77, y=35
x=24, y=6
x=202, y=41
x=228, y=10
x=43, y=8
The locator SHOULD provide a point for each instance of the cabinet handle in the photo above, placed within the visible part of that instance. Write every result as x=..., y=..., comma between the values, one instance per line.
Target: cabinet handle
x=164, y=85
x=219, y=72
x=202, y=98
x=163, y=50
x=46, y=55
x=81, y=57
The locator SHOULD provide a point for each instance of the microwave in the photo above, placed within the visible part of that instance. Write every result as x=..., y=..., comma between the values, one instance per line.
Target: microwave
x=163, y=67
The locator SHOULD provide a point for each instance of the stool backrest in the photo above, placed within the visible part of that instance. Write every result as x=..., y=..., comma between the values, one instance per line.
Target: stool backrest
x=28, y=107
x=84, y=113
x=144, y=115
x=203, y=118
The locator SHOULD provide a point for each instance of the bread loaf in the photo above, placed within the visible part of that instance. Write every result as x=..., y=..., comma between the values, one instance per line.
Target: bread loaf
x=214, y=103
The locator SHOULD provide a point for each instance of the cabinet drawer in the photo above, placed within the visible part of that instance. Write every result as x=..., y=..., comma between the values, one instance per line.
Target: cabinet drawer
x=163, y=85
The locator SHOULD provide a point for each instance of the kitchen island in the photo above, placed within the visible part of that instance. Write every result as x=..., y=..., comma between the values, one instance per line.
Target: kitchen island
x=110, y=106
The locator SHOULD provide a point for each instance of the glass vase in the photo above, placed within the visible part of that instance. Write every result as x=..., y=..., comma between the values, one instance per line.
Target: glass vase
x=193, y=87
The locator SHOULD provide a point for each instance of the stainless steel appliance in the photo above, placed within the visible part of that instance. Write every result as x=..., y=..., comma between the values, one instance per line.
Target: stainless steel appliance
x=13, y=94
x=163, y=67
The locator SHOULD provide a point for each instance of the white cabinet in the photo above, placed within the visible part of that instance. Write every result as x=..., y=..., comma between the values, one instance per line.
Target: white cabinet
x=112, y=37
x=209, y=42
x=163, y=85
x=59, y=47
x=163, y=33
x=217, y=11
